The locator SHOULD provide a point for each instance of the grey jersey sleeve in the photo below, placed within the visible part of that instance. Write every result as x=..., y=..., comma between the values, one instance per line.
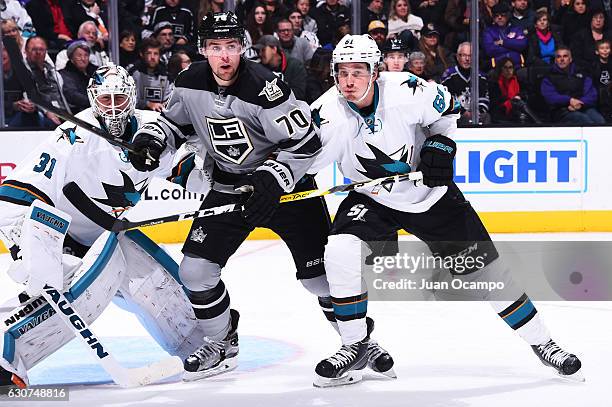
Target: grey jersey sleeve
x=175, y=122
x=290, y=126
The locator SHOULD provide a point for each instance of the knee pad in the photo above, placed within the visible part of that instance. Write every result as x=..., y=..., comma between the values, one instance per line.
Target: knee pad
x=317, y=286
x=198, y=274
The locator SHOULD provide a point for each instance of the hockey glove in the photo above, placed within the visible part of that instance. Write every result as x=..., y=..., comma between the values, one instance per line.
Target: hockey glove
x=437, y=157
x=150, y=141
x=263, y=200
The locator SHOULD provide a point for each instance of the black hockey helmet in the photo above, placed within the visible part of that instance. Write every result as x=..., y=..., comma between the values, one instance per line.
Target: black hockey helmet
x=396, y=44
x=223, y=25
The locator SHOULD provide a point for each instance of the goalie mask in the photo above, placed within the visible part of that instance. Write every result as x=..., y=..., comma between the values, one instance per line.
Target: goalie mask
x=112, y=95
x=356, y=48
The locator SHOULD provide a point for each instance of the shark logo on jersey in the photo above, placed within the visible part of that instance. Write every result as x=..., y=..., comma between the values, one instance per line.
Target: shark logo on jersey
x=271, y=91
x=229, y=139
x=122, y=197
x=69, y=134
x=383, y=165
x=413, y=83
x=315, y=114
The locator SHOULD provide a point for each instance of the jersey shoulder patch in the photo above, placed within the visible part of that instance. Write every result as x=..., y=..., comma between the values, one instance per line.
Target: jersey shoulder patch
x=260, y=86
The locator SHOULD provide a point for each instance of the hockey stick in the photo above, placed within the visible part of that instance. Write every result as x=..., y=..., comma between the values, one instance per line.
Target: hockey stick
x=25, y=79
x=124, y=377
x=124, y=224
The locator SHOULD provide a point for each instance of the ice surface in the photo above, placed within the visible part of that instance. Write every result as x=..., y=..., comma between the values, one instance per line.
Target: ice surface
x=447, y=354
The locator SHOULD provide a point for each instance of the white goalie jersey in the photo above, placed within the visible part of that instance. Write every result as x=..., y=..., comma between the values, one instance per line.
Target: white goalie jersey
x=81, y=174
x=388, y=140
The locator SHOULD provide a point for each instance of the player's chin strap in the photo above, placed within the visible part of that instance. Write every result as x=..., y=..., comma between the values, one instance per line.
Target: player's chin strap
x=124, y=224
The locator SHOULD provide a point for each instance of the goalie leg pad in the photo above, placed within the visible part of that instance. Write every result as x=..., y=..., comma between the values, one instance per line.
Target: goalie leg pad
x=32, y=331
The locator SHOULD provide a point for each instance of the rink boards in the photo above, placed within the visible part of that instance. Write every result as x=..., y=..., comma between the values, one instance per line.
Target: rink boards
x=519, y=180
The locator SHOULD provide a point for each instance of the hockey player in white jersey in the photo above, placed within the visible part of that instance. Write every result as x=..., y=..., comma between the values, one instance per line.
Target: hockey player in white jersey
x=93, y=182
x=374, y=125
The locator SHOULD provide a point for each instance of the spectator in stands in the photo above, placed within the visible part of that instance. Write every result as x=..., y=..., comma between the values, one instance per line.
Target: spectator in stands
x=153, y=88
x=18, y=110
x=128, y=55
x=343, y=29
x=329, y=15
x=48, y=19
x=542, y=41
x=309, y=23
x=400, y=19
x=276, y=10
x=164, y=34
x=569, y=93
x=10, y=29
x=130, y=15
x=378, y=31
x=416, y=65
x=500, y=40
x=180, y=18
x=76, y=76
x=457, y=80
x=179, y=61
x=436, y=56
x=431, y=12
x=319, y=79
x=371, y=10
x=15, y=11
x=206, y=6
x=295, y=47
x=288, y=69
x=258, y=24
x=88, y=33
x=507, y=102
x=602, y=68
x=573, y=16
x=456, y=17
x=486, y=12
x=395, y=55
x=47, y=79
x=583, y=42
x=522, y=16
x=297, y=20
x=76, y=12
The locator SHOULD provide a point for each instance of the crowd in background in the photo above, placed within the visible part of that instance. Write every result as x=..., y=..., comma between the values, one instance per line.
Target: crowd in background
x=541, y=60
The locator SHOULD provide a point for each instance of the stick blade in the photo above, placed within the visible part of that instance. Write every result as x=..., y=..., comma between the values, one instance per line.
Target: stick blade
x=142, y=376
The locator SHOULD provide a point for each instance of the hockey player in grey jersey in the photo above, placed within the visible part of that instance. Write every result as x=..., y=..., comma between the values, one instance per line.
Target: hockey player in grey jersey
x=256, y=134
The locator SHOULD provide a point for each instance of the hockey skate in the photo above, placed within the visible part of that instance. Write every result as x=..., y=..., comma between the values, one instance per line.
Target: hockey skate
x=343, y=367
x=379, y=359
x=214, y=357
x=10, y=379
x=566, y=364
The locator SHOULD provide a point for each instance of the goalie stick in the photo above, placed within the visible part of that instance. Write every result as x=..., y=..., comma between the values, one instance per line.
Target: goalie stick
x=124, y=224
x=124, y=377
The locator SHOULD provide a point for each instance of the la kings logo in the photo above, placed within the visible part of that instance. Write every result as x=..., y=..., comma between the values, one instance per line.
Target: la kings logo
x=198, y=235
x=229, y=139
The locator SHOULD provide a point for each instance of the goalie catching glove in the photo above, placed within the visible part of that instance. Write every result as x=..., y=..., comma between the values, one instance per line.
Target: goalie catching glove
x=437, y=157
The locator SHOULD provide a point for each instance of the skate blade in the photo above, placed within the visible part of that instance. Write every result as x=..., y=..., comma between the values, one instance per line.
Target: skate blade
x=577, y=377
x=389, y=373
x=225, y=366
x=352, y=377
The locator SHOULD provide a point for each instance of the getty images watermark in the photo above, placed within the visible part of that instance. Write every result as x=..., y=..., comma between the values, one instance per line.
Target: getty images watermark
x=500, y=271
